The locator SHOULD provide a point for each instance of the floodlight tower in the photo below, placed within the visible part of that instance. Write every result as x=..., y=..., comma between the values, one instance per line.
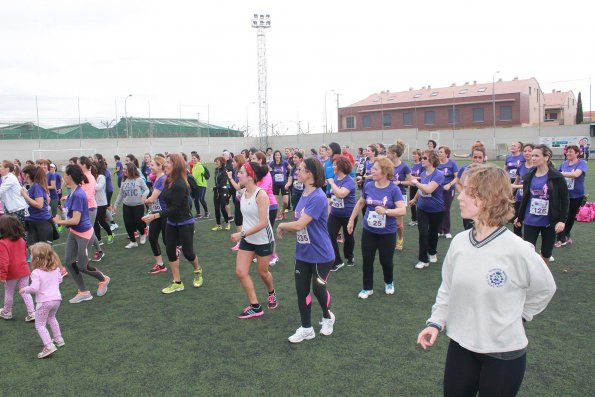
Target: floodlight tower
x=260, y=22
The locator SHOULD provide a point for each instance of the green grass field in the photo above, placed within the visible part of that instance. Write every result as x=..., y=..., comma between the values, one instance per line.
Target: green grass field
x=137, y=341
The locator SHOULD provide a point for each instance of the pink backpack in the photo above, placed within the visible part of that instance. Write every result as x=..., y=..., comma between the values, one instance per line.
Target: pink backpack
x=586, y=213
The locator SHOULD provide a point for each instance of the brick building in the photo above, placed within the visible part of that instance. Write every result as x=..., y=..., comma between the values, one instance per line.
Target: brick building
x=471, y=105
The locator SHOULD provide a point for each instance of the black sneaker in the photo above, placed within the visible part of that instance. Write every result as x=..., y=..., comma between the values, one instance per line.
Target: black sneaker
x=351, y=262
x=337, y=266
x=250, y=312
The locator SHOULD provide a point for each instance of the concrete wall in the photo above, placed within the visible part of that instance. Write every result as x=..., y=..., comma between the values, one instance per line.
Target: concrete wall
x=459, y=141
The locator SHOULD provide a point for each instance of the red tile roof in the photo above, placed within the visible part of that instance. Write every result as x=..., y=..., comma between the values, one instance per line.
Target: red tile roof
x=557, y=99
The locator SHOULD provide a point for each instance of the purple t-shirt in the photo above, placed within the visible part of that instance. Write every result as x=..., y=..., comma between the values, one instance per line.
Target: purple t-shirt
x=576, y=186
x=109, y=187
x=461, y=170
x=433, y=202
x=522, y=171
x=384, y=197
x=160, y=204
x=449, y=170
x=279, y=173
x=77, y=201
x=38, y=214
x=313, y=244
x=416, y=169
x=513, y=163
x=342, y=208
x=53, y=192
x=537, y=210
x=120, y=170
x=401, y=172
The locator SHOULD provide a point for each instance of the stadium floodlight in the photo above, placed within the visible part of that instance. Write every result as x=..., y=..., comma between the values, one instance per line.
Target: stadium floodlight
x=262, y=22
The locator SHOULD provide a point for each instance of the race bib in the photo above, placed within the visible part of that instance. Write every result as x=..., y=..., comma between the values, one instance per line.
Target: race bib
x=570, y=183
x=376, y=220
x=302, y=236
x=337, y=202
x=298, y=186
x=424, y=194
x=360, y=168
x=512, y=173
x=279, y=178
x=539, y=207
x=156, y=206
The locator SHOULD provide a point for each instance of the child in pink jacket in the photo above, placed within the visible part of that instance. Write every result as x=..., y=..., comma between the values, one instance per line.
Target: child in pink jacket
x=45, y=284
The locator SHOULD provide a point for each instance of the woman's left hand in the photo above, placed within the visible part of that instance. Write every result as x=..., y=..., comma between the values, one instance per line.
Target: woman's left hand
x=559, y=227
x=280, y=232
x=148, y=218
x=235, y=237
x=380, y=210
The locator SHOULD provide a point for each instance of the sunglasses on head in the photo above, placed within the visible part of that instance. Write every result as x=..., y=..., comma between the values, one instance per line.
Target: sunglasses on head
x=424, y=158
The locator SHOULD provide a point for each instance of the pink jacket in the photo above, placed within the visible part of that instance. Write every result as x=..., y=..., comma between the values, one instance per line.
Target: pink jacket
x=266, y=184
x=45, y=285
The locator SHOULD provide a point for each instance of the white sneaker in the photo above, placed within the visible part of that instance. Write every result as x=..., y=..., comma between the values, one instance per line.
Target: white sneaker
x=327, y=325
x=113, y=226
x=412, y=223
x=389, y=289
x=59, y=342
x=131, y=245
x=551, y=259
x=30, y=317
x=47, y=350
x=302, y=334
x=363, y=294
x=440, y=234
x=143, y=239
x=448, y=235
x=421, y=265
x=433, y=258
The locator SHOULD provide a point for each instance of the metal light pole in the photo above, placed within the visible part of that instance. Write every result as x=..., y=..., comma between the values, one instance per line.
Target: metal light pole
x=126, y=116
x=494, y=106
x=260, y=22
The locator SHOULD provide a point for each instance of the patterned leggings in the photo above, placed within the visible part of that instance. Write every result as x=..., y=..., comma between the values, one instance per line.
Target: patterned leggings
x=46, y=314
x=9, y=288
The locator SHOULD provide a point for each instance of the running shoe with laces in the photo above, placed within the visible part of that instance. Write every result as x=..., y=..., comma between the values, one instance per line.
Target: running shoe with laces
x=228, y=226
x=448, y=236
x=98, y=256
x=302, y=334
x=197, y=281
x=47, y=350
x=365, y=293
x=5, y=315
x=157, y=268
x=337, y=266
x=30, y=317
x=59, y=342
x=400, y=243
x=327, y=325
x=143, y=239
x=421, y=265
x=102, y=287
x=274, y=259
x=433, y=258
x=216, y=228
x=412, y=223
x=81, y=297
x=250, y=311
x=351, y=262
x=272, y=301
x=101, y=242
x=110, y=239
x=236, y=247
x=113, y=226
x=389, y=288
x=131, y=245
x=206, y=215
x=174, y=287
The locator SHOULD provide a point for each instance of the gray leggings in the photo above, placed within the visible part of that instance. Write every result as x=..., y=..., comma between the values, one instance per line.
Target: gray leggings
x=93, y=241
x=77, y=261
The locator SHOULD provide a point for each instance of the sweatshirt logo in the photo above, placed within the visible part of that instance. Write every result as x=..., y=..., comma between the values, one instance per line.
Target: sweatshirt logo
x=496, y=278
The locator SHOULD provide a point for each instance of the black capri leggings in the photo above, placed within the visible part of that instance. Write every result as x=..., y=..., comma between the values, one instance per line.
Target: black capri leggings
x=573, y=207
x=101, y=222
x=334, y=226
x=155, y=228
x=238, y=218
x=179, y=235
x=313, y=275
x=39, y=232
x=220, y=200
x=548, y=238
x=412, y=192
x=133, y=215
x=466, y=373
x=385, y=245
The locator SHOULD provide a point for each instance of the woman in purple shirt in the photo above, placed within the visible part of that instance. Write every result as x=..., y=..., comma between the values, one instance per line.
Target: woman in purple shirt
x=517, y=186
x=383, y=202
x=279, y=172
x=416, y=170
x=573, y=170
x=402, y=178
x=514, y=160
x=314, y=255
x=448, y=168
x=39, y=226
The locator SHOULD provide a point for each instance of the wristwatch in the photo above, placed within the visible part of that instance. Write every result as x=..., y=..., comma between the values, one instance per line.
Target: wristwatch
x=242, y=234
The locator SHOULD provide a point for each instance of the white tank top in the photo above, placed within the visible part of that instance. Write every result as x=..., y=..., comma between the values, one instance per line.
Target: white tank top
x=249, y=209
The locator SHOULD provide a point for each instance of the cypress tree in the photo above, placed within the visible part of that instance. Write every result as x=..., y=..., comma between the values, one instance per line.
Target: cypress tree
x=579, y=109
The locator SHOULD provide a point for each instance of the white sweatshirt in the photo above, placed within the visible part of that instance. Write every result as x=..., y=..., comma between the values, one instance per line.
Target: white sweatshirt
x=10, y=194
x=488, y=288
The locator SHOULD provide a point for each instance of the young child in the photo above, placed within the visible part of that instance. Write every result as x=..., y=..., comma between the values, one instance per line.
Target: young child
x=14, y=270
x=45, y=284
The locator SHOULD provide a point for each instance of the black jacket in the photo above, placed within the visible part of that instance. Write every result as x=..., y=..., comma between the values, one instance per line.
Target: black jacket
x=177, y=197
x=558, y=192
x=221, y=180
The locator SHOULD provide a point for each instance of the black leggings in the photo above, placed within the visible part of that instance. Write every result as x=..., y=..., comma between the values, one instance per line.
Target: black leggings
x=466, y=373
x=179, y=235
x=517, y=230
x=133, y=215
x=412, y=192
x=548, y=238
x=199, y=199
x=316, y=276
x=100, y=221
x=157, y=227
x=39, y=231
x=238, y=218
x=385, y=245
x=220, y=200
x=448, y=196
x=334, y=225
x=427, y=224
x=573, y=207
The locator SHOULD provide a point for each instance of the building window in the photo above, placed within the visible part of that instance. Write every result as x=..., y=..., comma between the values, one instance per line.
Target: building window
x=457, y=116
x=551, y=116
x=478, y=115
x=386, y=120
x=350, y=122
x=407, y=119
x=429, y=117
x=505, y=113
x=366, y=121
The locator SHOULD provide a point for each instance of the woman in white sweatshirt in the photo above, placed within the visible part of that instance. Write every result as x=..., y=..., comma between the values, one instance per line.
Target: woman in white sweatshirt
x=492, y=281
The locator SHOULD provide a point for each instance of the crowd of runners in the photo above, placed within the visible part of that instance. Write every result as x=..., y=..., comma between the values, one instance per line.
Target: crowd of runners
x=321, y=196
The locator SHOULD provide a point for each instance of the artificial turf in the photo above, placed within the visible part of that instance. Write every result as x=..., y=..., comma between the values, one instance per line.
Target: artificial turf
x=137, y=341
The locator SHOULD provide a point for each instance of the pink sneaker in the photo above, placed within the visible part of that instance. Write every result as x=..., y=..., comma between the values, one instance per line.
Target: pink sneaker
x=236, y=247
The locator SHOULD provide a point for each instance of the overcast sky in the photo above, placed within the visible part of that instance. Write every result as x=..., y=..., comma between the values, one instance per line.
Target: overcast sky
x=177, y=56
